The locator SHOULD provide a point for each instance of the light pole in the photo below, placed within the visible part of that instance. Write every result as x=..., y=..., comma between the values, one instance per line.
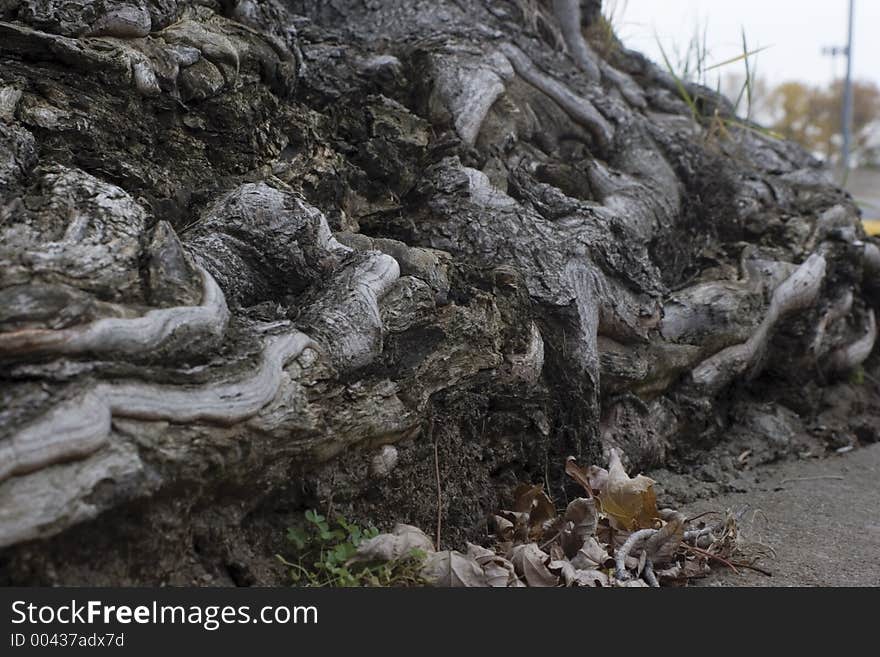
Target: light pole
x=847, y=113
x=848, y=94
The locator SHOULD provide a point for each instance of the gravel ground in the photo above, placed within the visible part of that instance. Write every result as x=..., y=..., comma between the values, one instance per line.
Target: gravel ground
x=822, y=518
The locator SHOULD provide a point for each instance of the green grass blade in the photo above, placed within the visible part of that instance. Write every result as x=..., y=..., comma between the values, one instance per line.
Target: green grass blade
x=743, y=56
x=678, y=81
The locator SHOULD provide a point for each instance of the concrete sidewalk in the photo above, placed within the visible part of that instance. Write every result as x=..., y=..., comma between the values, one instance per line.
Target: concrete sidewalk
x=822, y=517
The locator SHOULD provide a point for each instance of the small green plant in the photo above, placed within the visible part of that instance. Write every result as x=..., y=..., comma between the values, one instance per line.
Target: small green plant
x=857, y=376
x=324, y=551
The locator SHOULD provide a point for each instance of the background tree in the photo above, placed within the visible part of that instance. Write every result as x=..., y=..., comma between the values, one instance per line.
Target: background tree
x=810, y=115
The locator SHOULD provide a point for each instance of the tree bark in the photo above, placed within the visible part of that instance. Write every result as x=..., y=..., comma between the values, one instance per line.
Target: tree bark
x=262, y=257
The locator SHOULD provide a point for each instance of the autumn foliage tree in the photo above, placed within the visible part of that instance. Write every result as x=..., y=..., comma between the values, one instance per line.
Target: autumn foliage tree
x=811, y=116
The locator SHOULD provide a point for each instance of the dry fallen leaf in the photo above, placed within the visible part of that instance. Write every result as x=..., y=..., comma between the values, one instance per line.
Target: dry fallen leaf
x=520, y=522
x=674, y=575
x=401, y=542
x=630, y=503
x=598, y=478
x=576, y=577
x=579, y=523
x=591, y=555
x=453, y=569
x=530, y=563
x=502, y=528
x=697, y=567
x=592, y=479
x=499, y=571
x=534, y=501
x=591, y=578
x=573, y=470
x=663, y=545
x=643, y=559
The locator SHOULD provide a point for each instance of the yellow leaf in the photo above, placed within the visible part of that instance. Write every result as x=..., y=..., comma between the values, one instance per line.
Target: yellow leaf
x=629, y=502
x=872, y=226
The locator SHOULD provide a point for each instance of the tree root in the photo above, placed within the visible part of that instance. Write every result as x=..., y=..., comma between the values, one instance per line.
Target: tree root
x=579, y=109
x=78, y=427
x=469, y=90
x=798, y=291
x=634, y=539
x=346, y=318
x=131, y=337
x=839, y=309
x=857, y=352
x=872, y=259
x=648, y=574
x=568, y=13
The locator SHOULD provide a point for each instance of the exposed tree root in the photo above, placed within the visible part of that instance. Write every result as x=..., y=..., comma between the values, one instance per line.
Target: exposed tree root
x=857, y=352
x=633, y=540
x=798, y=291
x=131, y=337
x=80, y=426
x=536, y=262
x=346, y=318
x=568, y=13
x=580, y=109
x=872, y=256
x=839, y=309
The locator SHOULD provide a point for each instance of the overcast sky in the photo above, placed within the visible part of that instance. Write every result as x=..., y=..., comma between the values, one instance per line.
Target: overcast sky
x=796, y=29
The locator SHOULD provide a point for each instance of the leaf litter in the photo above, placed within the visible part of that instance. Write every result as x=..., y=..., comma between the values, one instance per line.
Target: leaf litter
x=616, y=536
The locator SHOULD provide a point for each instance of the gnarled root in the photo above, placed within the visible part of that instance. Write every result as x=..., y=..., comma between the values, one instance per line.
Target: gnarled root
x=78, y=427
x=122, y=336
x=839, y=309
x=857, y=352
x=568, y=13
x=797, y=292
x=579, y=109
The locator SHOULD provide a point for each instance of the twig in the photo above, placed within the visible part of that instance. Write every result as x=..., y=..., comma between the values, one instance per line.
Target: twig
x=811, y=478
x=439, y=496
x=555, y=536
x=706, y=553
x=329, y=512
x=700, y=515
x=763, y=571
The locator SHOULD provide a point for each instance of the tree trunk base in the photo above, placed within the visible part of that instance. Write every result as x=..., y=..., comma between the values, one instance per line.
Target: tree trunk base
x=257, y=258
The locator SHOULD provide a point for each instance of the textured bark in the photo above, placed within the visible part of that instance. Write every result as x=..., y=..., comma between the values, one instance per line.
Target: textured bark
x=257, y=257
